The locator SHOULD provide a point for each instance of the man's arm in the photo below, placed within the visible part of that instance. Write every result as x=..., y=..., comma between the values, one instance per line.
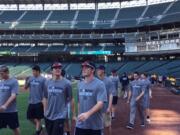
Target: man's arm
x=73, y=109
x=143, y=88
x=129, y=94
x=44, y=102
x=8, y=102
x=139, y=97
x=86, y=115
x=110, y=103
x=45, y=96
x=26, y=85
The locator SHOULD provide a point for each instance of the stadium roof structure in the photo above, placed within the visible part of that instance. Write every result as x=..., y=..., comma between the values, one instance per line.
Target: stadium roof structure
x=55, y=1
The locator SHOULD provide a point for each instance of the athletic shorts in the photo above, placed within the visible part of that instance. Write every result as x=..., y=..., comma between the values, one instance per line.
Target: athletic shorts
x=54, y=127
x=125, y=88
x=35, y=111
x=9, y=120
x=80, y=131
x=107, y=119
x=115, y=100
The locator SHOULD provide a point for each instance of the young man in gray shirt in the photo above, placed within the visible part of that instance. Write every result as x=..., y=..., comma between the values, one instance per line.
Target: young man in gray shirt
x=8, y=92
x=136, y=94
x=57, y=96
x=91, y=97
x=147, y=95
x=115, y=80
x=110, y=89
x=36, y=85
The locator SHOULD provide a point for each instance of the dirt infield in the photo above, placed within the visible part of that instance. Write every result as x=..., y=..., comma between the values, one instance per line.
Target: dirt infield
x=165, y=116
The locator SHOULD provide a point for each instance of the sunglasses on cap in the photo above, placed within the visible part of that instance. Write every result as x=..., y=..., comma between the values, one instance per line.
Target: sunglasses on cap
x=87, y=65
x=57, y=67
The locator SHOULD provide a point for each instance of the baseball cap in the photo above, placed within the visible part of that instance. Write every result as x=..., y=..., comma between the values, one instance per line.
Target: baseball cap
x=4, y=68
x=113, y=71
x=101, y=67
x=37, y=68
x=88, y=64
x=56, y=65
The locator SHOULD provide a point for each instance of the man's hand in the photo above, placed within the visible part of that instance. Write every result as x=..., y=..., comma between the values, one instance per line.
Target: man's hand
x=137, y=98
x=83, y=116
x=108, y=111
x=3, y=108
x=74, y=118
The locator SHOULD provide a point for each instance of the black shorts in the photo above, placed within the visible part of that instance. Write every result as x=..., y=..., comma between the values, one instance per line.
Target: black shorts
x=80, y=131
x=54, y=127
x=115, y=100
x=9, y=120
x=35, y=111
x=124, y=88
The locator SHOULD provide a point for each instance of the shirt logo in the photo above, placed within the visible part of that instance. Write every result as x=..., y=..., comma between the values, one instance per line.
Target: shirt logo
x=85, y=93
x=4, y=87
x=34, y=82
x=54, y=89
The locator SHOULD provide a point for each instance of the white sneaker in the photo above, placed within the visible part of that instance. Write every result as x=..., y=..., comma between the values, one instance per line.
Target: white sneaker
x=148, y=120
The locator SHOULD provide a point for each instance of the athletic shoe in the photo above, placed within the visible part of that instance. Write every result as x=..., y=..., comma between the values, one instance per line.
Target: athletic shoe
x=142, y=125
x=39, y=131
x=113, y=118
x=130, y=126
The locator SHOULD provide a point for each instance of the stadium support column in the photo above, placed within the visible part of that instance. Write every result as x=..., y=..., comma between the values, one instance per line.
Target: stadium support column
x=43, y=6
x=96, y=5
x=18, y=7
x=69, y=6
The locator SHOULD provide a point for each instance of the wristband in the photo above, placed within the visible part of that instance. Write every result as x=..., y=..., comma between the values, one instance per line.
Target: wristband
x=4, y=107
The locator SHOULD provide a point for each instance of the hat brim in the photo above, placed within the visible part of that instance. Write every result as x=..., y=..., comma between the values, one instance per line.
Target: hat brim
x=87, y=65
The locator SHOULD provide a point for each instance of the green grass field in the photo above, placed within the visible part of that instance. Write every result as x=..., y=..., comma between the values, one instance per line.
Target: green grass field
x=25, y=126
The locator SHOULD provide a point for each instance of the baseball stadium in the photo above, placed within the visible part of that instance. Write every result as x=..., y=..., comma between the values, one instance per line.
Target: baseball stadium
x=116, y=38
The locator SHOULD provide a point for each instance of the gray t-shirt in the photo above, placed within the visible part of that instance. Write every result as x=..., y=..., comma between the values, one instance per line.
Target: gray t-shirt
x=88, y=95
x=58, y=94
x=147, y=84
x=8, y=87
x=115, y=81
x=136, y=87
x=110, y=89
x=36, y=89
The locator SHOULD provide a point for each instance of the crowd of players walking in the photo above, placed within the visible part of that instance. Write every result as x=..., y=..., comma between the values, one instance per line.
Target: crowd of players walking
x=53, y=101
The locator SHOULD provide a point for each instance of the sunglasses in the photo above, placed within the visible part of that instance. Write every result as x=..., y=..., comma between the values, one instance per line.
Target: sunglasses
x=86, y=66
x=57, y=67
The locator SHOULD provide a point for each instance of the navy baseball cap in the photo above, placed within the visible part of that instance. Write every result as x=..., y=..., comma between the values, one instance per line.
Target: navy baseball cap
x=37, y=68
x=88, y=64
x=101, y=67
x=56, y=65
x=4, y=68
x=113, y=71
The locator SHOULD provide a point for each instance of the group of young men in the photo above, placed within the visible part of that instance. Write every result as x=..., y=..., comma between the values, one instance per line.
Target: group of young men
x=51, y=99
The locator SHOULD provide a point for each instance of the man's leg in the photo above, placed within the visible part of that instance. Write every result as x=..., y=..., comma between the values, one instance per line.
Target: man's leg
x=132, y=115
x=114, y=103
x=107, y=124
x=38, y=126
x=141, y=113
x=49, y=125
x=107, y=130
x=58, y=127
x=16, y=131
